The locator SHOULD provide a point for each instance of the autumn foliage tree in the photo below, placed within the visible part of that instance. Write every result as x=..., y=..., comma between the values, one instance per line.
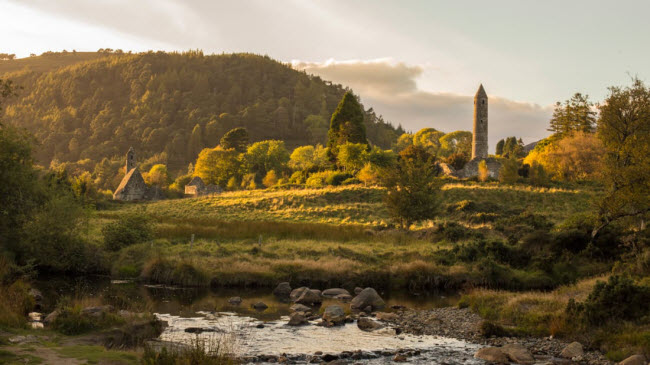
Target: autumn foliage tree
x=624, y=129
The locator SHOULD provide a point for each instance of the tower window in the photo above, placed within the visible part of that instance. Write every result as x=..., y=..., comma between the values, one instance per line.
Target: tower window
x=483, y=102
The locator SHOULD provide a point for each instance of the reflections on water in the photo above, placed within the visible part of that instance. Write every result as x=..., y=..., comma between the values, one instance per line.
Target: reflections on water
x=185, y=302
x=209, y=309
x=277, y=338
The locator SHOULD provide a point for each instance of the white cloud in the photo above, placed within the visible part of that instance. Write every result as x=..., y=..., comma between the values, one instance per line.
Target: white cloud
x=391, y=89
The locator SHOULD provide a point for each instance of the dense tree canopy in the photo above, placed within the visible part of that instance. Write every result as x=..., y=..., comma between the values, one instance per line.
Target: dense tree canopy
x=174, y=103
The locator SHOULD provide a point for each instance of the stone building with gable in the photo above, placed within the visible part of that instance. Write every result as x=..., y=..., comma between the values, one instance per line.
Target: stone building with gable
x=132, y=187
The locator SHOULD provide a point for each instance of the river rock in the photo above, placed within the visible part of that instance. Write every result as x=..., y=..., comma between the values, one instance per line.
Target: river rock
x=572, y=350
x=634, y=360
x=309, y=297
x=368, y=297
x=400, y=358
x=357, y=290
x=334, y=314
x=297, y=319
x=300, y=308
x=235, y=300
x=296, y=293
x=367, y=324
x=329, y=357
x=343, y=297
x=283, y=290
x=333, y=292
x=518, y=353
x=385, y=316
x=50, y=318
x=492, y=354
x=260, y=306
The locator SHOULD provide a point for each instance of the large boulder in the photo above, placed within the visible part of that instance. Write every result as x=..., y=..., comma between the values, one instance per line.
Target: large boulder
x=492, y=354
x=300, y=308
x=367, y=324
x=368, y=297
x=334, y=314
x=283, y=290
x=634, y=360
x=518, y=354
x=297, y=319
x=50, y=318
x=309, y=297
x=332, y=293
x=296, y=293
x=574, y=349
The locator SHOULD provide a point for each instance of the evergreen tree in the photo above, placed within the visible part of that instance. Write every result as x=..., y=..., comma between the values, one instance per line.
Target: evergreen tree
x=346, y=125
x=575, y=114
x=196, y=142
x=500, y=145
x=236, y=139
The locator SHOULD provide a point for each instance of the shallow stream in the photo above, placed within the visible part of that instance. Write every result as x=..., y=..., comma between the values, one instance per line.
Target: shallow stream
x=260, y=335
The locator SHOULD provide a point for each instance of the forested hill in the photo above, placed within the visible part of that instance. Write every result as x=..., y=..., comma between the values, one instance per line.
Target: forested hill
x=171, y=103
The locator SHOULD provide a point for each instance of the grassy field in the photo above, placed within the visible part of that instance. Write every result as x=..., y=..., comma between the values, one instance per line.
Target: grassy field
x=358, y=205
x=47, y=62
x=333, y=236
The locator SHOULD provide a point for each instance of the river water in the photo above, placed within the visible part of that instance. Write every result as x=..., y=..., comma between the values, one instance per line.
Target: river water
x=251, y=333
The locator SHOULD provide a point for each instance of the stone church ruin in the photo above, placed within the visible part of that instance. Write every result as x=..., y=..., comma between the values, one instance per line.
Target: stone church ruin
x=133, y=187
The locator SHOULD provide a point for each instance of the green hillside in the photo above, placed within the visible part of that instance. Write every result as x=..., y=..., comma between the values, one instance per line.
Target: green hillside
x=168, y=103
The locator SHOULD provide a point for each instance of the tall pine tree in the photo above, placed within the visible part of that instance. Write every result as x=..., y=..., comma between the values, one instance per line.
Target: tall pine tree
x=346, y=124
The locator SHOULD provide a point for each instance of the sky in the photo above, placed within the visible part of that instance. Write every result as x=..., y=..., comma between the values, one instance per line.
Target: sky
x=417, y=63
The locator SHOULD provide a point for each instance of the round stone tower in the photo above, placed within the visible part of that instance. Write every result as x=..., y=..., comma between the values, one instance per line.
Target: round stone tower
x=480, y=138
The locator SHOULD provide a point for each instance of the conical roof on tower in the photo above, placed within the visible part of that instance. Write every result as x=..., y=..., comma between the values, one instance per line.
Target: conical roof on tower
x=481, y=92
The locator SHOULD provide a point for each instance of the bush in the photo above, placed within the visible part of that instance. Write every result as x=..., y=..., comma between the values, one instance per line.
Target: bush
x=15, y=303
x=127, y=230
x=489, y=329
x=335, y=178
x=509, y=172
x=618, y=299
x=351, y=181
x=324, y=178
x=73, y=321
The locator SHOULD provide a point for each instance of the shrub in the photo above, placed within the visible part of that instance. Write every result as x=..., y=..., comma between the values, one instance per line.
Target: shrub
x=298, y=177
x=336, y=178
x=73, y=321
x=351, y=181
x=270, y=179
x=127, y=230
x=489, y=329
x=509, y=172
x=15, y=303
x=483, y=172
x=618, y=299
x=317, y=179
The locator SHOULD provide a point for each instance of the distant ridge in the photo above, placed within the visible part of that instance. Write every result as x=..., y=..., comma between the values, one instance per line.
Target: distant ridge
x=90, y=106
